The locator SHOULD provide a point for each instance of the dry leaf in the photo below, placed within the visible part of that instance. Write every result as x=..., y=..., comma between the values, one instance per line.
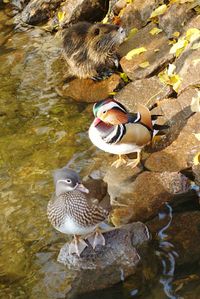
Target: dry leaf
x=61, y=15
x=196, y=159
x=169, y=77
x=155, y=31
x=176, y=34
x=197, y=135
x=124, y=77
x=179, y=46
x=159, y=11
x=192, y=34
x=195, y=103
x=132, y=32
x=144, y=64
x=196, y=46
x=135, y=52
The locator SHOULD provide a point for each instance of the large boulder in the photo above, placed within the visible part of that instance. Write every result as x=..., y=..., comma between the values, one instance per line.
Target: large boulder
x=156, y=53
x=146, y=91
x=117, y=260
x=134, y=200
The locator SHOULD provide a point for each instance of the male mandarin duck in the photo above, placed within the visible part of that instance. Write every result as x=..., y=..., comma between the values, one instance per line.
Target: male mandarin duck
x=70, y=212
x=117, y=131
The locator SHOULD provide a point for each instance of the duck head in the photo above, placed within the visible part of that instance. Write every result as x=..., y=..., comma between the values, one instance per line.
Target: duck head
x=67, y=180
x=110, y=112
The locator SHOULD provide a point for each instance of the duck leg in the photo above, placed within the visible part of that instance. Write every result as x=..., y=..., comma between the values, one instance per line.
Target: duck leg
x=96, y=238
x=77, y=245
x=134, y=162
x=119, y=162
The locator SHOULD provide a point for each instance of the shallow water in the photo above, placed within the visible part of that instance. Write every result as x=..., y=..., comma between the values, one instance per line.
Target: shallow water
x=39, y=132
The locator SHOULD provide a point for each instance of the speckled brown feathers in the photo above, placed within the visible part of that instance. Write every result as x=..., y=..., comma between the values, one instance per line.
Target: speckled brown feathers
x=75, y=205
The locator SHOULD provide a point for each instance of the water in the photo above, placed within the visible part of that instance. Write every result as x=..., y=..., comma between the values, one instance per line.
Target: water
x=39, y=131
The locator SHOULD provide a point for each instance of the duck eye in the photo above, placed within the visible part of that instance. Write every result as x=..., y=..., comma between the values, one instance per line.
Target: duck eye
x=104, y=112
x=68, y=181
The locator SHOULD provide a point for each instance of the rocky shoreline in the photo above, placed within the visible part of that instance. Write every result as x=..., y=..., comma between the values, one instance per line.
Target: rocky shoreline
x=164, y=75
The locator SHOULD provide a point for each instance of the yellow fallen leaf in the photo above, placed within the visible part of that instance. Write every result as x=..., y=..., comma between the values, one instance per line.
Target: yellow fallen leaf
x=61, y=15
x=156, y=50
x=176, y=82
x=169, y=77
x=159, y=11
x=179, y=47
x=195, y=103
x=135, y=52
x=124, y=77
x=197, y=135
x=196, y=46
x=144, y=64
x=196, y=159
x=155, y=31
x=192, y=34
x=132, y=32
x=176, y=34
x=197, y=9
x=171, y=69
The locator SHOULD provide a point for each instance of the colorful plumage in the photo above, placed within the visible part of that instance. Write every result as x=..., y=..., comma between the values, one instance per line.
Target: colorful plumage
x=117, y=131
x=70, y=212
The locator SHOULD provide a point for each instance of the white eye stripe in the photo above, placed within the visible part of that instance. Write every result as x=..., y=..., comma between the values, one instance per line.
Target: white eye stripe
x=109, y=106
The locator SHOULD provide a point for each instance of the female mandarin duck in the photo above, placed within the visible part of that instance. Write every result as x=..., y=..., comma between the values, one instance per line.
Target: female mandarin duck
x=117, y=131
x=70, y=213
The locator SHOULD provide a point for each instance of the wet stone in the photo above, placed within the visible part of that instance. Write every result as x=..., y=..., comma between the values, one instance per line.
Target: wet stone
x=145, y=91
x=132, y=200
x=87, y=90
x=117, y=260
x=183, y=233
x=157, y=53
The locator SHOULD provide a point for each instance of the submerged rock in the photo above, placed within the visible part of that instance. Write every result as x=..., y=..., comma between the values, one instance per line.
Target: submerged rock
x=183, y=233
x=117, y=260
x=88, y=90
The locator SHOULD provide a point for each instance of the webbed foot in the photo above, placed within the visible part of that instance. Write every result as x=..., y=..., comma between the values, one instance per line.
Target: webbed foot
x=119, y=162
x=77, y=245
x=96, y=238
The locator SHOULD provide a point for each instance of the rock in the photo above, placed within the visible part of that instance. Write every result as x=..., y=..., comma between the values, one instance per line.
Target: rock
x=130, y=18
x=145, y=91
x=183, y=233
x=78, y=10
x=145, y=8
x=117, y=260
x=157, y=53
x=188, y=68
x=180, y=153
x=136, y=14
x=87, y=90
x=18, y=5
x=174, y=19
x=133, y=200
x=39, y=11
